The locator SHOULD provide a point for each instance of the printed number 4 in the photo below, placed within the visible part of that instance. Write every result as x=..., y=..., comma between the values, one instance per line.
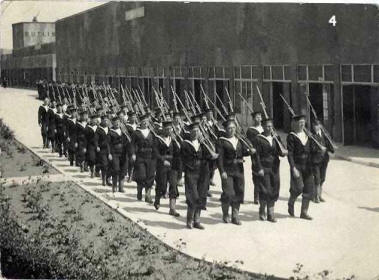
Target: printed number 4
x=333, y=20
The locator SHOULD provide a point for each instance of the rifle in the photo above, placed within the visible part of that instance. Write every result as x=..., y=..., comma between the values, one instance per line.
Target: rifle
x=209, y=146
x=143, y=95
x=323, y=129
x=222, y=104
x=307, y=132
x=275, y=135
x=229, y=100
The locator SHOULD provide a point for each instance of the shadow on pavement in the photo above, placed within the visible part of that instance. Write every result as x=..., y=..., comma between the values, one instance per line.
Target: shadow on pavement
x=373, y=209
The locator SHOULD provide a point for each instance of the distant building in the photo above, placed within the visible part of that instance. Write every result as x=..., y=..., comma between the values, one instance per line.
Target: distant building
x=33, y=56
x=26, y=34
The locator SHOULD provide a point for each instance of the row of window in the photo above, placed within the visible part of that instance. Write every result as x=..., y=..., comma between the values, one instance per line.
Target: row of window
x=43, y=34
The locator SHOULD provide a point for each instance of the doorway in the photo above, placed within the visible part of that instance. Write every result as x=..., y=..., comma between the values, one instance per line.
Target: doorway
x=358, y=102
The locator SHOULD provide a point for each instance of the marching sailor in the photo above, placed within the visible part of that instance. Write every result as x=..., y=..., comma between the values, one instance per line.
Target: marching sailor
x=299, y=146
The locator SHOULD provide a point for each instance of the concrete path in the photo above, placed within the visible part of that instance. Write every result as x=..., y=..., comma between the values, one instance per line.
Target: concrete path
x=342, y=238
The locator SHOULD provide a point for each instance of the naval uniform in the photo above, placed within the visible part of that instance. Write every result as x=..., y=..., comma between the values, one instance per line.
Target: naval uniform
x=142, y=147
x=91, y=146
x=102, y=143
x=43, y=122
x=119, y=149
x=299, y=145
x=51, y=126
x=268, y=153
x=251, y=134
x=61, y=132
x=320, y=160
x=71, y=139
x=81, y=140
x=195, y=159
x=230, y=161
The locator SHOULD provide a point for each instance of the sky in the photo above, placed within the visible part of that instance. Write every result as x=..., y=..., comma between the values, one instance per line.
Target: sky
x=19, y=11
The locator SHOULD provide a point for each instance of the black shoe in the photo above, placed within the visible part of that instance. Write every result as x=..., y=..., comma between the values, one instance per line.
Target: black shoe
x=139, y=196
x=305, y=216
x=156, y=205
x=262, y=217
x=236, y=221
x=172, y=212
x=271, y=219
x=209, y=194
x=256, y=202
x=226, y=219
x=291, y=210
x=198, y=226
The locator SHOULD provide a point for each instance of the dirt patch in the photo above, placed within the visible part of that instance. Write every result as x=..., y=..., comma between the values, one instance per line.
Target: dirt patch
x=77, y=236
x=16, y=160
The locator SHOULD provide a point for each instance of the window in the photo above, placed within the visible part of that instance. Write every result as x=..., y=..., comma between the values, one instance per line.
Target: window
x=245, y=79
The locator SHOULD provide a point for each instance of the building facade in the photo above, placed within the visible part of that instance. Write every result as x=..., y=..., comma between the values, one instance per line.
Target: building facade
x=326, y=52
x=33, y=56
x=26, y=34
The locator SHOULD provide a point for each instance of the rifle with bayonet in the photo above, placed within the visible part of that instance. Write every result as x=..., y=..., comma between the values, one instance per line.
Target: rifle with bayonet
x=274, y=134
x=307, y=132
x=323, y=129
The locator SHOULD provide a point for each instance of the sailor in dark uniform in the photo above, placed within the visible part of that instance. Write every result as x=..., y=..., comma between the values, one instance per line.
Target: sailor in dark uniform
x=143, y=158
x=167, y=149
x=51, y=129
x=320, y=160
x=299, y=146
x=119, y=148
x=43, y=121
x=251, y=134
x=91, y=143
x=60, y=129
x=81, y=140
x=230, y=164
x=131, y=125
x=102, y=147
x=71, y=135
x=66, y=116
x=195, y=159
x=268, y=162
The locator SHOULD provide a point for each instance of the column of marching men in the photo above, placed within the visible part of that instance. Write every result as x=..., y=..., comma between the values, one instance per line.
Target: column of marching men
x=115, y=136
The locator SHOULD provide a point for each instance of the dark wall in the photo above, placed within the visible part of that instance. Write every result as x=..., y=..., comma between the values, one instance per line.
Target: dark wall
x=173, y=33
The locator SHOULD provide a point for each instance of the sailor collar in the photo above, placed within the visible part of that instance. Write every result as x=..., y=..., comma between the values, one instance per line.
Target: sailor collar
x=93, y=127
x=233, y=141
x=257, y=128
x=166, y=141
x=145, y=132
x=302, y=137
x=267, y=138
x=132, y=125
x=195, y=144
x=60, y=115
x=82, y=124
x=118, y=131
x=105, y=129
x=45, y=107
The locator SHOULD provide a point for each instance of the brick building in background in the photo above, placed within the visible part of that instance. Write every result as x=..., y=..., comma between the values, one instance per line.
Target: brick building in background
x=328, y=51
x=33, y=55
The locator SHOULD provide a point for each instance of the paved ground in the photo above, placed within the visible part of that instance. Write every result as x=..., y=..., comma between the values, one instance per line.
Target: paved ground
x=343, y=237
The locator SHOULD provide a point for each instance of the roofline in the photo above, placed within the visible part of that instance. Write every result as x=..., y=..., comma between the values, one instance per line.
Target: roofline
x=90, y=9
x=44, y=22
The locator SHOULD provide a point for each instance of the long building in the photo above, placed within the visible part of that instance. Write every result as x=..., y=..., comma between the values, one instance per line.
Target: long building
x=328, y=52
